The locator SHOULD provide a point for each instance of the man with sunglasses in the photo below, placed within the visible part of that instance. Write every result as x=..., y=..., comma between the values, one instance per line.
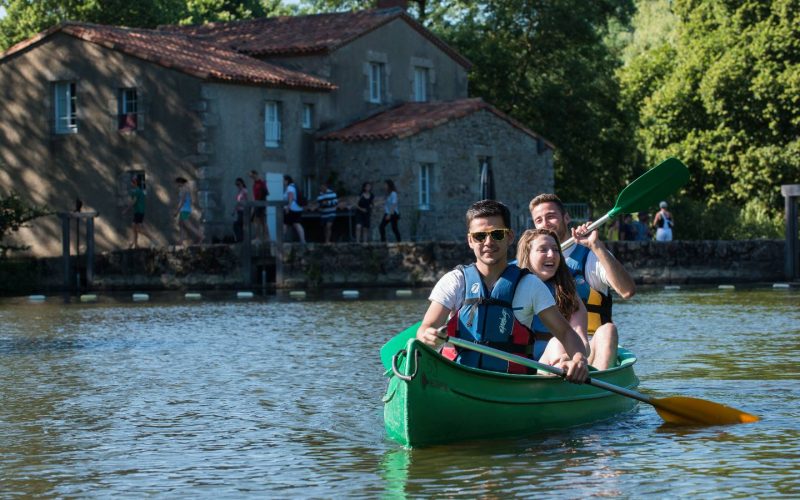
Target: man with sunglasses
x=596, y=272
x=494, y=303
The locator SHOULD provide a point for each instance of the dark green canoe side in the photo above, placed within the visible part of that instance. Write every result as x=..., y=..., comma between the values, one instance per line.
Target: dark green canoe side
x=447, y=402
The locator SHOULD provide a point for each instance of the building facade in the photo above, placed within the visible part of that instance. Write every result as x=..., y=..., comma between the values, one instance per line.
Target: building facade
x=359, y=96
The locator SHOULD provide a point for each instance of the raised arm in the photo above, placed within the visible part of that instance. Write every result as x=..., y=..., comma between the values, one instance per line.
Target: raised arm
x=619, y=279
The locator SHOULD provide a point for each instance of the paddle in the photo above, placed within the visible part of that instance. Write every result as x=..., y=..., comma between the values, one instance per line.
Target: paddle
x=674, y=410
x=647, y=190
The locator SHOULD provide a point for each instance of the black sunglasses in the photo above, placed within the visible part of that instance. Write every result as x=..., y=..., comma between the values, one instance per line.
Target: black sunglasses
x=496, y=234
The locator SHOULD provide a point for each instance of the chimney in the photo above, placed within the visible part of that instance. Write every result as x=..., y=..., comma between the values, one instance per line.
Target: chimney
x=389, y=4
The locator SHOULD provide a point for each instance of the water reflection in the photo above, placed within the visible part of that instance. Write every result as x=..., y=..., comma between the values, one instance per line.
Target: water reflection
x=276, y=397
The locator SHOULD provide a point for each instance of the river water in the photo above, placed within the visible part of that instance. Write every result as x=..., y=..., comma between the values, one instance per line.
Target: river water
x=282, y=398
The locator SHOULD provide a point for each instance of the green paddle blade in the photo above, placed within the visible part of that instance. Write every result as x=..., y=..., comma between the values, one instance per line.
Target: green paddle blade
x=651, y=187
x=396, y=343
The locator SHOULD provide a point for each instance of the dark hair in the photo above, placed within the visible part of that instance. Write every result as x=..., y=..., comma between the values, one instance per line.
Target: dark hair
x=364, y=186
x=288, y=178
x=239, y=179
x=563, y=282
x=489, y=208
x=390, y=185
x=180, y=180
x=547, y=198
x=254, y=172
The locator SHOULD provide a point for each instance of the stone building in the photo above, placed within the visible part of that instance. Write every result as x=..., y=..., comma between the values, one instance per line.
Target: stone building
x=356, y=96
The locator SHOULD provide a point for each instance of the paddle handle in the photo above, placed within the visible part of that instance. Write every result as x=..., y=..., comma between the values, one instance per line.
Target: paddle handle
x=594, y=225
x=513, y=358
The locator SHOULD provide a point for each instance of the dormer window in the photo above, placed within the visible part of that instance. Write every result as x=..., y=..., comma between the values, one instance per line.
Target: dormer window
x=376, y=72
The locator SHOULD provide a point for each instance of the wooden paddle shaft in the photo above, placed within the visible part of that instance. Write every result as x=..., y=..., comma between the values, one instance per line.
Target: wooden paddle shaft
x=465, y=344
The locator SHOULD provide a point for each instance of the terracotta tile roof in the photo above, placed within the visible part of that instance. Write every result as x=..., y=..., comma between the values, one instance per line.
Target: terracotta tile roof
x=302, y=35
x=192, y=56
x=412, y=118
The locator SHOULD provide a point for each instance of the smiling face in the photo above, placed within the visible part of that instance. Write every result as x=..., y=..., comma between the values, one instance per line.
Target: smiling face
x=544, y=257
x=489, y=253
x=548, y=215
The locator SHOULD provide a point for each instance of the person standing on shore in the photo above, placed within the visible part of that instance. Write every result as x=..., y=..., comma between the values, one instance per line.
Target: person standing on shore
x=292, y=211
x=364, y=212
x=391, y=211
x=137, y=205
x=663, y=223
x=327, y=202
x=241, y=199
x=183, y=212
x=259, y=217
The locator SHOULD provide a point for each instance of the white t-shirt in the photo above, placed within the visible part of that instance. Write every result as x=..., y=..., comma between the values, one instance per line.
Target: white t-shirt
x=531, y=298
x=390, y=205
x=294, y=207
x=594, y=272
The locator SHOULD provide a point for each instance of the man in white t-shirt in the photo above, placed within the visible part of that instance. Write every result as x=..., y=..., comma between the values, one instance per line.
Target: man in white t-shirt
x=596, y=271
x=489, y=236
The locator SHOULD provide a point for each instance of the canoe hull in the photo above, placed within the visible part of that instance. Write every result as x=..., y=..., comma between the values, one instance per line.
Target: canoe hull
x=446, y=402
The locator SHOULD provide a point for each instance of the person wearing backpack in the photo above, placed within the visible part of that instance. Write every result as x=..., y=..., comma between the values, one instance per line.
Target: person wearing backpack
x=292, y=211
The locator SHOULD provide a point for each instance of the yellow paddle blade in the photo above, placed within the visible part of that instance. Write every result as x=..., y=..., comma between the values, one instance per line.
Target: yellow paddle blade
x=692, y=411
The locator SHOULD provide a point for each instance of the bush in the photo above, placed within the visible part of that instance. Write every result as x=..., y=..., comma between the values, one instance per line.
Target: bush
x=723, y=221
x=15, y=213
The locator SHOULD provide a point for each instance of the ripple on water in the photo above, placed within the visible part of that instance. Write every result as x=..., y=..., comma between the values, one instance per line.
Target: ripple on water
x=283, y=398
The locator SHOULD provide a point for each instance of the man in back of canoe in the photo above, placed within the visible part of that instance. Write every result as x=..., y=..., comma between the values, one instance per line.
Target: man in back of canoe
x=493, y=303
x=596, y=272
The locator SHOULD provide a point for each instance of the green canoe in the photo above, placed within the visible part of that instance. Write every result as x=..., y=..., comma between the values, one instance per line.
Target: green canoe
x=434, y=400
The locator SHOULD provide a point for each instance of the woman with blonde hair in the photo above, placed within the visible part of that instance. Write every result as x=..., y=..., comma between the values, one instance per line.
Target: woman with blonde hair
x=539, y=252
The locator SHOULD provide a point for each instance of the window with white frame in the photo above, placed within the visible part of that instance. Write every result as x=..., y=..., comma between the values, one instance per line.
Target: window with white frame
x=66, y=115
x=425, y=175
x=420, y=84
x=308, y=116
x=128, y=109
x=272, y=124
x=376, y=71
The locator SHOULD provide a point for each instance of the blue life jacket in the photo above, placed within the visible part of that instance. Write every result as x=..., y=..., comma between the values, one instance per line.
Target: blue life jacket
x=598, y=305
x=488, y=318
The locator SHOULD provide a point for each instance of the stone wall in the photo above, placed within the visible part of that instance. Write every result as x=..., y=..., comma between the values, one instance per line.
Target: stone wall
x=375, y=265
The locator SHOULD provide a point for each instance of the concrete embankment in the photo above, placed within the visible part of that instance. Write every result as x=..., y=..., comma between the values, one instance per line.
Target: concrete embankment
x=403, y=264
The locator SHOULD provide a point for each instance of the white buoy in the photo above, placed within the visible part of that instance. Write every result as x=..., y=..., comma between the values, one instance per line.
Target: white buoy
x=36, y=298
x=244, y=295
x=781, y=285
x=350, y=294
x=88, y=297
x=672, y=287
x=403, y=293
x=141, y=297
x=726, y=287
x=297, y=294
x=192, y=296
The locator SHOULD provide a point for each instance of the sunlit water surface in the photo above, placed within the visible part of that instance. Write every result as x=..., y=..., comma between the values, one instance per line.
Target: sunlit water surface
x=274, y=397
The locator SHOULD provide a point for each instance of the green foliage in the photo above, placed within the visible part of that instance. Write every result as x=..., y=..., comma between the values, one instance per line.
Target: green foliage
x=14, y=214
x=696, y=220
x=25, y=18
x=724, y=96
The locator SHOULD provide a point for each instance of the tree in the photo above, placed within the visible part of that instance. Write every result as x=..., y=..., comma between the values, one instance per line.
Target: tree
x=723, y=96
x=15, y=213
x=25, y=18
